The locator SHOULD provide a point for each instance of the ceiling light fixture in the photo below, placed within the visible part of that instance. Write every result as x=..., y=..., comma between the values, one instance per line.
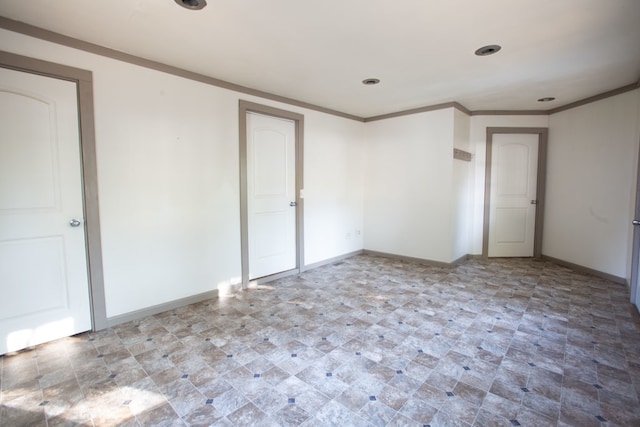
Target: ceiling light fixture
x=488, y=50
x=370, y=82
x=546, y=99
x=192, y=4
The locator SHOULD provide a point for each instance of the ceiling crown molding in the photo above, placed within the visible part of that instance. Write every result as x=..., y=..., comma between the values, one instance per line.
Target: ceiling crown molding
x=61, y=39
x=595, y=98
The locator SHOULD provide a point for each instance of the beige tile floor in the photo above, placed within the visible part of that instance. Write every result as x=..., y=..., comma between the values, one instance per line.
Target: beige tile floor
x=365, y=342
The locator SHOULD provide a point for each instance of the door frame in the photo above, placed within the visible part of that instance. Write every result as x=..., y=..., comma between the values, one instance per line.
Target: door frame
x=89, y=172
x=246, y=107
x=635, y=250
x=543, y=136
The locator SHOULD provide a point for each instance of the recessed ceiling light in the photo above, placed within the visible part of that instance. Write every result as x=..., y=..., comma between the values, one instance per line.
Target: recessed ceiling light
x=488, y=50
x=192, y=4
x=546, y=99
x=370, y=82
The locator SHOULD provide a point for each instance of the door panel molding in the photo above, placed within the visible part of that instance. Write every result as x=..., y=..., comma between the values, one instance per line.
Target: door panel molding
x=84, y=84
x=246, y=107
x=543, y=134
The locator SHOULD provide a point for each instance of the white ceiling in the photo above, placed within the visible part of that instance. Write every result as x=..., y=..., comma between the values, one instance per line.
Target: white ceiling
x=422, y=50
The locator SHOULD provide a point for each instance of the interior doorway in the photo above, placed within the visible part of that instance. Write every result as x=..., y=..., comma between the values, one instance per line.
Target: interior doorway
x=514, y=192
x=271, y=172
x=82, y=103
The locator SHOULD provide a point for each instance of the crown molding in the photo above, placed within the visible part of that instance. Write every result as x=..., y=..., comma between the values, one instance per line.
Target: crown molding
x=509, y=113
x=50, y=36
x=425, y=109
x=61, y=39
x=595, y=98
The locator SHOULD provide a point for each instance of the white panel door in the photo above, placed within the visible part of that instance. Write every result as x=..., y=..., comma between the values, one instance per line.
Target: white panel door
x=514, y=165
x=44, y=292
x=271, y=187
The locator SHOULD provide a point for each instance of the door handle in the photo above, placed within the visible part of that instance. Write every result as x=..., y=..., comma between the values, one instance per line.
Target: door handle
x=74, y=223
x=293, y=204
x=635, y=222
x=534, y=202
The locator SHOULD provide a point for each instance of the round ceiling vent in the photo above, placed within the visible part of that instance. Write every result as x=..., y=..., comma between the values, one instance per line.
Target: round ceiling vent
x=370, y=82
x=488, y=50
x=192, y=4
x=546, y=99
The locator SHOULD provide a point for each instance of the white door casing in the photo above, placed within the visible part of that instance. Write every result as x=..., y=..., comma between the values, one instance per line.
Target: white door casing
x=513, y=201
x=271, y=195
x=43, y=261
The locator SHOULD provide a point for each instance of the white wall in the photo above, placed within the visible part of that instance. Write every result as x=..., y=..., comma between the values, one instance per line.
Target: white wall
x=408, y=185
x=333, y=186
x=478, y=146
x=168, y=179
x=168, y=187
x=591, y=176
x=167, y=152
x=409, y=164
x=461, y=189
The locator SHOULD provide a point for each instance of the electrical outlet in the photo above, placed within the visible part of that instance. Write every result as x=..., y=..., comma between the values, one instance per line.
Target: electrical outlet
x=357, y=232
